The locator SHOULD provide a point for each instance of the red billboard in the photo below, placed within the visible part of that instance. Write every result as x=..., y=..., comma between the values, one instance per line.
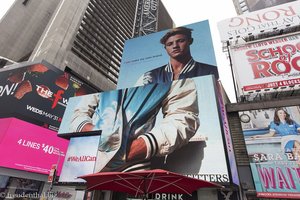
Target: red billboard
x=38, y=93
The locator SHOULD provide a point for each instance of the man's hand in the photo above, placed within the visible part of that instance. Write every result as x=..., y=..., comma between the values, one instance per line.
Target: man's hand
x=110, y=143
x=87, y=127
x=138, y=150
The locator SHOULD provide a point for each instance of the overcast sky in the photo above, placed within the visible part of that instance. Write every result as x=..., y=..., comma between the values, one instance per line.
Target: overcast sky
x=185, y=12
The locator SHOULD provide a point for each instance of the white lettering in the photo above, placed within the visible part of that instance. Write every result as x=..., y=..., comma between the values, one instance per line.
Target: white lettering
x=8, y=90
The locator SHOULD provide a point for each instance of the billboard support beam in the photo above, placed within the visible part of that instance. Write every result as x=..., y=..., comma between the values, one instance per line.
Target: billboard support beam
x=286, y=101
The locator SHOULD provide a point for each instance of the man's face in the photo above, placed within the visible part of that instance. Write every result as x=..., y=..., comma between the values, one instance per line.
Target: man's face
x=178, y=46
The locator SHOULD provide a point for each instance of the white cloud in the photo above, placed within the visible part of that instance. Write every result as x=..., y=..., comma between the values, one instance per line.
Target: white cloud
x=4, y=6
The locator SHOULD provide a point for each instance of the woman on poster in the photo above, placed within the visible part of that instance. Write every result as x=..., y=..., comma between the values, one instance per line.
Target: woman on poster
x=284, y=126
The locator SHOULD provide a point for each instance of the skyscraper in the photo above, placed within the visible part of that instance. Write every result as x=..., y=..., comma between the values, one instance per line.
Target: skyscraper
x=245, y=6
x=22, y=26
x=85, y=37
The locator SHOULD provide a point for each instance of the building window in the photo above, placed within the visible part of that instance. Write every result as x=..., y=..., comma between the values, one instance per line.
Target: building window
x=25, y=2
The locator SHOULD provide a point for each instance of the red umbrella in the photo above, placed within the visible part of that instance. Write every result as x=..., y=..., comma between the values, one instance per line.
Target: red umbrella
x=145, y=182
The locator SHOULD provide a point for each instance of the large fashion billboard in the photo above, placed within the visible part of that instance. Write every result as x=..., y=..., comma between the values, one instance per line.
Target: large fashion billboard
x=182, y=52
x=38, y=93
x=152, y=126
x=263, y=21
x=28, y=147
x=80, y=158
x=272, y=139
x=262, y=66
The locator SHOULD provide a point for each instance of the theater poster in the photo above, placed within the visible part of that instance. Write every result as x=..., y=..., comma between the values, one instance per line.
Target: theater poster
x=268, y=65
x=179, y=122
x=38, y=93
x=272, y=139
x=146, y=53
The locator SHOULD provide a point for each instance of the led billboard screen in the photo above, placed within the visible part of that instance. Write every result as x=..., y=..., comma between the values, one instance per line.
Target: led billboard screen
x=273, y=140
x=29, y=147
x=152, y=58
x=179, y=119
x=80, y=158
x=38, y=93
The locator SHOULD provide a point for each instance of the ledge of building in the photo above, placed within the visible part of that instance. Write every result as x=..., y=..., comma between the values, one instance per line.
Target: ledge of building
x=254, y=105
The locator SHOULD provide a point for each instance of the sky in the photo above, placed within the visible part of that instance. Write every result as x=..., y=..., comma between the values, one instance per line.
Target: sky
x=184, y=12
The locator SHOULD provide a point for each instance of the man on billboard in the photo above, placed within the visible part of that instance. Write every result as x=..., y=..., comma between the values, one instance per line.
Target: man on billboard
x=131, y=133
x=181, y=65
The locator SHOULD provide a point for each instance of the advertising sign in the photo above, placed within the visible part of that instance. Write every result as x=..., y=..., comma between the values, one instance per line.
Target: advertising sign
x=80, y=158
x=254, y=5
x=262, y=21
x=146, y=60
x=272, y=139
x=268, y=64
x=165, y=122
x=38, y=93
x=29, y=147
x=228, y=138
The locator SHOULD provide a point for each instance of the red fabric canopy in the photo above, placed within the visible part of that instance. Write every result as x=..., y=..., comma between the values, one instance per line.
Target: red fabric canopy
x=145, y=182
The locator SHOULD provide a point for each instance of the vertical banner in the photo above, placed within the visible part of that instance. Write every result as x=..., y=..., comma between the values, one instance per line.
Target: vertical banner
x=272, y=139
x=52, y=174
x=228, y=139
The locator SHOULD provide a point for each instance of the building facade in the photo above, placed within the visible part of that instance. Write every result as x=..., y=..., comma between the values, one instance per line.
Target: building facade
x=245, y=6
